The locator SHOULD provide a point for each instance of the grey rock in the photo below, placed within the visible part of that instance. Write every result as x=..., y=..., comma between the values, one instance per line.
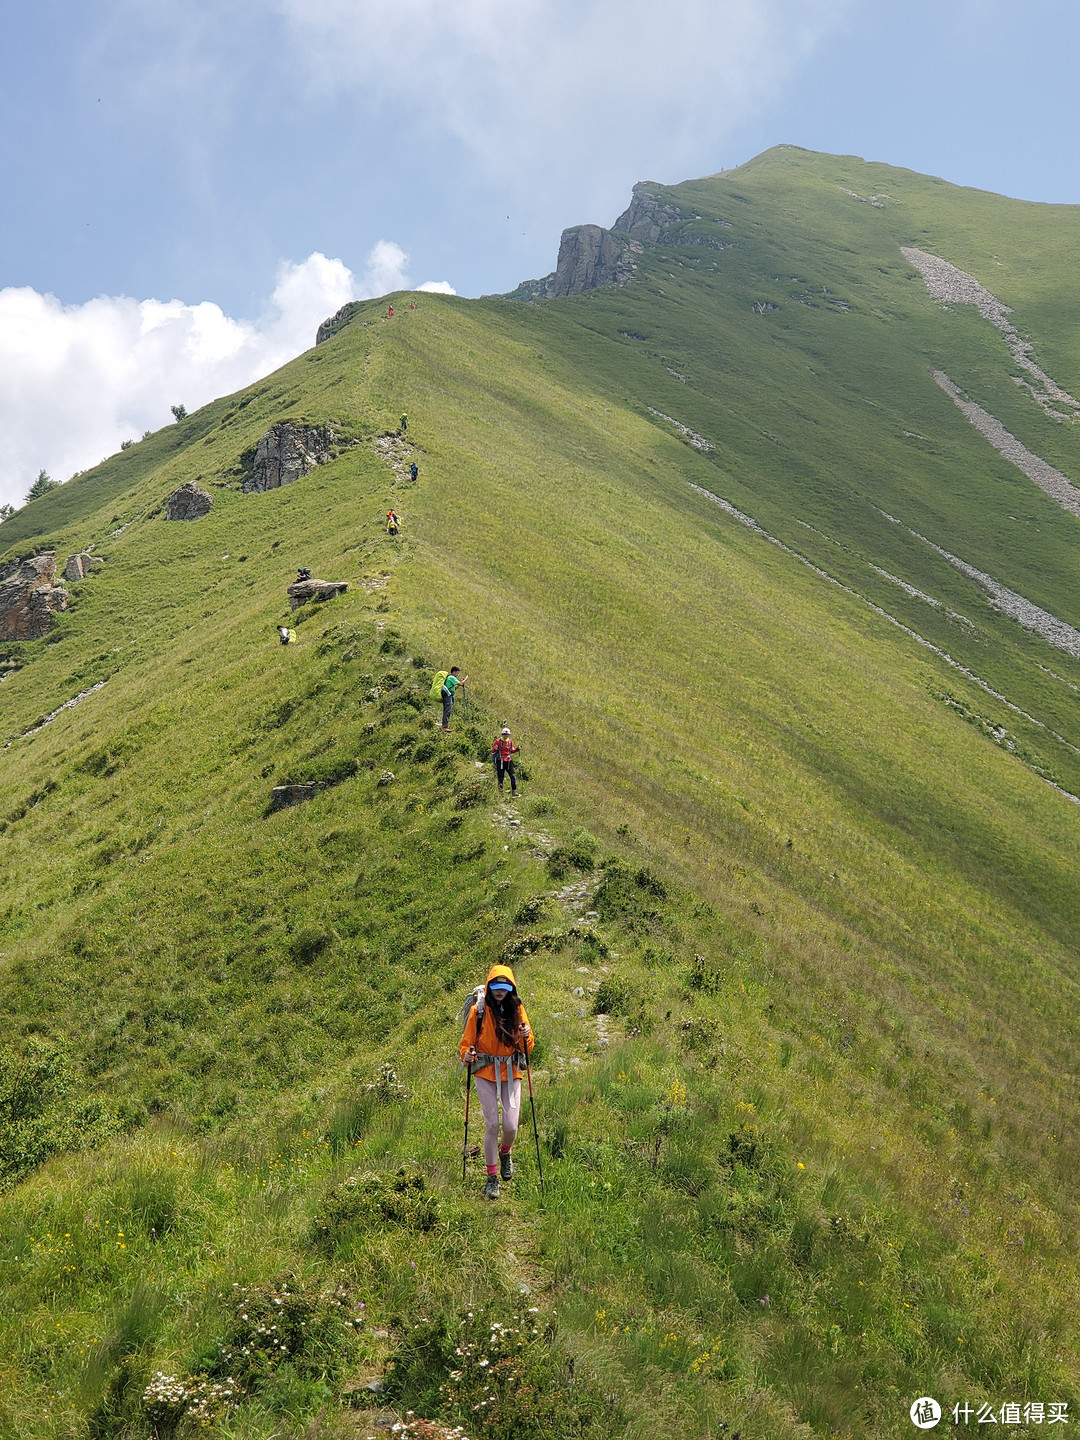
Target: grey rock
x=287, y=452
x=590, y=258
x=330, y=326
x=189, y=502
x=301, y=591
x=282, y=796
x=648, y=216
x=29, y=599
x=81, y=565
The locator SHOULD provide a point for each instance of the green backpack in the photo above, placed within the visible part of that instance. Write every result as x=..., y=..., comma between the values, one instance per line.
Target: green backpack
x=438, y=683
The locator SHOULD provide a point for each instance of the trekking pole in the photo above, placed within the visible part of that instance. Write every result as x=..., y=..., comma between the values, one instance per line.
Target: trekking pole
x=536, y=1133
x=465, y=1143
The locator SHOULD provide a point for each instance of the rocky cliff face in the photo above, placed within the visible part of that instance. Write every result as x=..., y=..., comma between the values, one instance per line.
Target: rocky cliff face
x=287, y=452
x=337, y=321
x=648, y=216
x=590, y=258
x=28, y=599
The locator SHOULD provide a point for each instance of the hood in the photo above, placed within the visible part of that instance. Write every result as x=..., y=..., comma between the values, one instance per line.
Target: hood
x=500, y=972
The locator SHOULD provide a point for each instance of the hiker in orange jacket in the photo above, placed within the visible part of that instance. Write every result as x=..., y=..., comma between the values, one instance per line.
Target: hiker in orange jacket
x=495, y=1057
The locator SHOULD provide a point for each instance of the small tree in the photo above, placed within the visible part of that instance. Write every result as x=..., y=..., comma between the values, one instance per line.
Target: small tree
x=41, y=486
x=179, y=412
x=6, y=512
x=126, y=444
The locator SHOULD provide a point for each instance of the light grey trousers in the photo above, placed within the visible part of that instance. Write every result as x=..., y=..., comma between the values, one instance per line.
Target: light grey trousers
x=490, y=1094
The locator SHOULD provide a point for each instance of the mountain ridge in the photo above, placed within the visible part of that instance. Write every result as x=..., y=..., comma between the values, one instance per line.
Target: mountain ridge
x=791, y=892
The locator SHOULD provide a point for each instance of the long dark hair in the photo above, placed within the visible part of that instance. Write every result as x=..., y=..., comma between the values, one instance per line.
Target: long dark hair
x=507, y=1016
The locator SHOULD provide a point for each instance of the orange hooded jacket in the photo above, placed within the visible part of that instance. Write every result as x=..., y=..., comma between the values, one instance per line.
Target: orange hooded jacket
x=489, y=1043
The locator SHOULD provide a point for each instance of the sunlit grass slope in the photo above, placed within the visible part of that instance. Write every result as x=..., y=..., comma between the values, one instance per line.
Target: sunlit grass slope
x=806, y=1085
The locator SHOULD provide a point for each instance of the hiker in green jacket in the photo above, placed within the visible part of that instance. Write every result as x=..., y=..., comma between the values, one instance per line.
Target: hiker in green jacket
x=403, y=423
x=449, y=687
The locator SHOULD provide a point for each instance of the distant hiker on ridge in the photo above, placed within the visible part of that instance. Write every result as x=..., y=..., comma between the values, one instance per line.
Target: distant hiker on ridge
x=285, y=635
x=503, y=751
x=494, y=1044
x=389, y=312
x=449, y=688
x=403, y=423
x=393, y=524
x=414, y=470
x=303, y=573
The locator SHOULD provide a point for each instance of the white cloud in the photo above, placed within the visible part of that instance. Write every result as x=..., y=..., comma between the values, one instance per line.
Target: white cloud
x=437, y=287
x=76, y=380
x=568, y=98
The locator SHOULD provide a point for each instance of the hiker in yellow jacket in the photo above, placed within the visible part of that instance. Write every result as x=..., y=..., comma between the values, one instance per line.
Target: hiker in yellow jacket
x=495, y=1057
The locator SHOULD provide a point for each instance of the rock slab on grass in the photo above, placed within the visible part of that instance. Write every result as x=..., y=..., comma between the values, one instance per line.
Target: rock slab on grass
x=301, y=591
x=29, y=599
x=189, y=502
x=282, y=796
x=81, y=565
x=287, y=452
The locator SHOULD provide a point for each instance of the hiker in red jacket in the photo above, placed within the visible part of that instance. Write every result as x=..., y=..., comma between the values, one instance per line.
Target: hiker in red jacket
x=503, y=751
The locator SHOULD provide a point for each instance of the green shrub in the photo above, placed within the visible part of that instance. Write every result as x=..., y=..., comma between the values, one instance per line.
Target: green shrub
x=288, y=1321
x=617, y=995
x=309, y=943
x=470, y=795
x=629, y=894
x=565, y=859
x=705, y=975
x=523, y=945
x=41, y=1112
x=365, y=1200
x=529, y=911
x=497, y=1373
x=701, y=1033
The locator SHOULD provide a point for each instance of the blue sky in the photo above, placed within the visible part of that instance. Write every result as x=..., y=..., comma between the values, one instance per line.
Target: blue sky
x=259, y=161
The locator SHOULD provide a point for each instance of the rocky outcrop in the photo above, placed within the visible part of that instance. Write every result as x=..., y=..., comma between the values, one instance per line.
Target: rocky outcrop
x=81, y=565
x=29, y=599
x=287, y=452
x=590, y=258
x=301, y=591
x=330, y=327
x=647, y=216
x=189, y=502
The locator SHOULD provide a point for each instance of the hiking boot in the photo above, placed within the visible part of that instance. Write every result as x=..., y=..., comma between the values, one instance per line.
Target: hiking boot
x=491, y=1189
x=506, y=1165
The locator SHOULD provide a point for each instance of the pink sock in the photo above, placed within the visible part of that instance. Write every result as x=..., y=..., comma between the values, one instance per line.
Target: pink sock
x=504, y=1149
x=493, y=1169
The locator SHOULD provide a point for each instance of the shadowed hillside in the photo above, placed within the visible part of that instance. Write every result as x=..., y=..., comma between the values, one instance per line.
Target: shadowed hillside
x=791, y=891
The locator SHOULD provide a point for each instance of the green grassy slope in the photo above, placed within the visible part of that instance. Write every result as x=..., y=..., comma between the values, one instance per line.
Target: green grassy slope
x=809, y=1124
